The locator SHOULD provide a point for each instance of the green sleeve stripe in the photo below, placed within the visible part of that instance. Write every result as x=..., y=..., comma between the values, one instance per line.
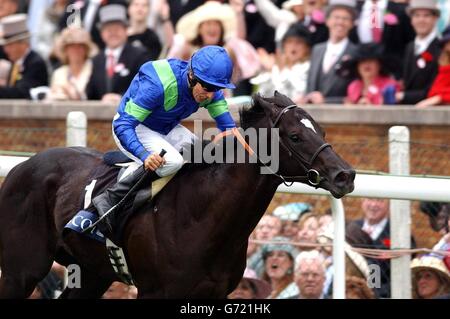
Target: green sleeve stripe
x=169, y=82
x=217, y=108
x=139, y=113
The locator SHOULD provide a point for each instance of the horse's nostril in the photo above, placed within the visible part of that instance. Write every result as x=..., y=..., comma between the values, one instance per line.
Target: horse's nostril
x=344, y=177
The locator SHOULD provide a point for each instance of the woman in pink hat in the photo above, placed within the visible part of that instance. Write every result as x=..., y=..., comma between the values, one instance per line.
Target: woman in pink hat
x=373, y=84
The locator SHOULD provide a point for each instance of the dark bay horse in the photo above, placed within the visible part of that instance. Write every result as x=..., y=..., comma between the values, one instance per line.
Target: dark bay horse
x=194, y=246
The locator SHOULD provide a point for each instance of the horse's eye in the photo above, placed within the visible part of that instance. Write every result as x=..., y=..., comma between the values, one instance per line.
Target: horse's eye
x=294, y=138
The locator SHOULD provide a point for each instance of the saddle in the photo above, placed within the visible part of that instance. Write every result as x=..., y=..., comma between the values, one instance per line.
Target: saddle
x=103, y=176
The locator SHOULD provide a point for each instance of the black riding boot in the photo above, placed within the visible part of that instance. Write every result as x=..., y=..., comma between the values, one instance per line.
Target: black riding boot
x=112, y=196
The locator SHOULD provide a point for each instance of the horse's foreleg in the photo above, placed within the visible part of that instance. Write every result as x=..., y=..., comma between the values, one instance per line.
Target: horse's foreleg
x=18, y=281
x=27, y=243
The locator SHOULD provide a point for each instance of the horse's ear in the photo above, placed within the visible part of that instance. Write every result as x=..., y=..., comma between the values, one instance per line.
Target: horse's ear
x=269, y=108
x=284, y=99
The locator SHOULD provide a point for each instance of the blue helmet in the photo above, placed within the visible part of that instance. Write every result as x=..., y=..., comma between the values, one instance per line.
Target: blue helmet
x=212, y=65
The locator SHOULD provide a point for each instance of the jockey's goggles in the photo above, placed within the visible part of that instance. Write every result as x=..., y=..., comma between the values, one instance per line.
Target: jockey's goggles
x=206, y=86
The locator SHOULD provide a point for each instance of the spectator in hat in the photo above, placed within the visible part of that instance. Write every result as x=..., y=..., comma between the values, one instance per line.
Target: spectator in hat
x=386, y=23
x=289, y=72
x=28, y=70
x=439, y=93
x=116, y=65
x=74, y=49
x=430, y=277
x=214, y=23
x=289, y=215
x=421, y=55
x=324, y=84
x=251, y=287
x=279, y=258
x=86, y=13
x=374, y=84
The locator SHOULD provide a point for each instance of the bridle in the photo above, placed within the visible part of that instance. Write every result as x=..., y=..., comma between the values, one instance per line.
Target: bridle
x=312, y=176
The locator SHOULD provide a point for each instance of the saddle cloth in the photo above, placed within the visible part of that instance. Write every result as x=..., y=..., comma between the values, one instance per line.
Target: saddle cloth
x=102, y=177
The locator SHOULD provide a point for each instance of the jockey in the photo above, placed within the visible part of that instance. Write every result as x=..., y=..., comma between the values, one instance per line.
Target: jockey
x=148, y=119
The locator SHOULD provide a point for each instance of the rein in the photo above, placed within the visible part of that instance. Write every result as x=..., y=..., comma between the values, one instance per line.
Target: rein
x=312, y=176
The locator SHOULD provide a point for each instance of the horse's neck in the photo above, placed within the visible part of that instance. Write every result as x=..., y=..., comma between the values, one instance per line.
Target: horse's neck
x=249, y=194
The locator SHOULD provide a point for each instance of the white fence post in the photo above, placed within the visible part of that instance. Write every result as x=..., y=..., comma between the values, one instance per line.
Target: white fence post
x=76, y=129
x=338, y=248
x=400, y=215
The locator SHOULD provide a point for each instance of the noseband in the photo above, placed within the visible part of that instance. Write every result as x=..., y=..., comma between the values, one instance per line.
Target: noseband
x=312, y=176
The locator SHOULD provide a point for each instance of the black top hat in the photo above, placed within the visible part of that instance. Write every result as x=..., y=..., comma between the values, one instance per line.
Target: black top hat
x=365, y=51
x=298, y=30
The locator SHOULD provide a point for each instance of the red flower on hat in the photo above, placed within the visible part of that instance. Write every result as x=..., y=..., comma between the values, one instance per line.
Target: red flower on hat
x=427, y=56
x=387, y=242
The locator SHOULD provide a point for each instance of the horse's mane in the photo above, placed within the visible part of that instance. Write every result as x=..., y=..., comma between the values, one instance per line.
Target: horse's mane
x=250, y=116
x=253, y=114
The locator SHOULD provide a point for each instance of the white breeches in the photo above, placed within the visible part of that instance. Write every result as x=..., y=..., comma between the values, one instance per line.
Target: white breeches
x=154, y=142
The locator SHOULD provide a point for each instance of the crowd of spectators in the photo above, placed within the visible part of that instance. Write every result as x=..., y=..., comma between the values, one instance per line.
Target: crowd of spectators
x=298, y=263
x=368, y=52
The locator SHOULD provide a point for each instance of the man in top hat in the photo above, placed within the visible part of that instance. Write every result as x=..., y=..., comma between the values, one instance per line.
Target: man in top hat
x=88, y=13
x=324, y=85
x=118, y=63
x=28, y=70
x=386, y=22
x=421, y=55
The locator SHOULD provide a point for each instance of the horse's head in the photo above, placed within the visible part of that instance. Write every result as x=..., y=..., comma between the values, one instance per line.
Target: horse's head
x=304, y=156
